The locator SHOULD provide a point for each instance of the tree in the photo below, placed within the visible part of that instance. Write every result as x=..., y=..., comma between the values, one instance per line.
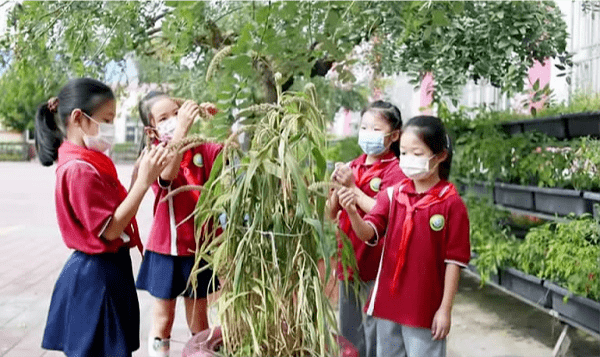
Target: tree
x=174, y=41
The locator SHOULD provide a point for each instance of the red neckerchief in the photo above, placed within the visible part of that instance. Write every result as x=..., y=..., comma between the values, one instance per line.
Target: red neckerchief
x=372, y=171
x=104, y=165
x=436, y=194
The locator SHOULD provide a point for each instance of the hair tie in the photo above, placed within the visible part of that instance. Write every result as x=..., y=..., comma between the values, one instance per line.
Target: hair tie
x=53, y=104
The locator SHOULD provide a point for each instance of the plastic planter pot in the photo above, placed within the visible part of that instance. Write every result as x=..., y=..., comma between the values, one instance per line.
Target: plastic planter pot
x=514, y=196
x=559, y=201
x=583, y=124
x=495, y=278
x=585, y=312
x=481, y=189
x=208, y=342
x=592, y=201
x=513, y=128
x=527, y=286
x=552, y=126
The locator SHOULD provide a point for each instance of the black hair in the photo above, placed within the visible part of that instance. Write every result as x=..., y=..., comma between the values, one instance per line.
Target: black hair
x=144, y=108
x=86, y=94
x=432, y=132
x=391, y=114
x=146, y=103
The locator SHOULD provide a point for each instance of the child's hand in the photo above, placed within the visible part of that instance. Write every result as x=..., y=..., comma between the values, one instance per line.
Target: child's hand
x=441, y=324
x=186, y=115
x=210, y=108
x=343, y=174
x=152, y=162
x=347, y=199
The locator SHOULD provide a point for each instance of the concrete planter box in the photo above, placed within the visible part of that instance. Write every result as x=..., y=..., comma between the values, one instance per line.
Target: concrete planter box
x=583, y=124
x=514, y=196
x=527, y=286
x=585, y=312
x=592, y=201
x=559, y=201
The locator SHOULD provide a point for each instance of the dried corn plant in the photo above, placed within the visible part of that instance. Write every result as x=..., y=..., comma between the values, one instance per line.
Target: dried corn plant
x=272, y=299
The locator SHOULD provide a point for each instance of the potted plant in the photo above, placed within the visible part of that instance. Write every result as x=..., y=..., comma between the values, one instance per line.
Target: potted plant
x=272, y=300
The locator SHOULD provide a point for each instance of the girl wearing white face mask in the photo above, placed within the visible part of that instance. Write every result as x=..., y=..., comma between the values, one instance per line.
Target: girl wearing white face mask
x=366, y=175
x=426, y=243
x=169, y=256
x=94, y=309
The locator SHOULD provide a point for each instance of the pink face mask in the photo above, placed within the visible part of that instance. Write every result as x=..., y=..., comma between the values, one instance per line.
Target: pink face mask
x=166, y=128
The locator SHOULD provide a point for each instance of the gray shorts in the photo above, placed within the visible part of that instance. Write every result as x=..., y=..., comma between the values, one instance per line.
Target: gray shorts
x=395, y=340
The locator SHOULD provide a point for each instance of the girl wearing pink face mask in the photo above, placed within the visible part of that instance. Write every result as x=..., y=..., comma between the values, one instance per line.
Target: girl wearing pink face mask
x=171, y=246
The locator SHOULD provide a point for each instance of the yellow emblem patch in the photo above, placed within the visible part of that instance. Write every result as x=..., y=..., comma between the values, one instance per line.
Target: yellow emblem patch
x=198, y=160
x=375, y=184
x=437, y=222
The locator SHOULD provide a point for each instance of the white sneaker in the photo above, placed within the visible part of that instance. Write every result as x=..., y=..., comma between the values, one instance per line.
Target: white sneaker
x=158, y=347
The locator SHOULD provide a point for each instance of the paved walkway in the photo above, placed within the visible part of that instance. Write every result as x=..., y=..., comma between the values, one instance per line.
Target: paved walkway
x=485, y=321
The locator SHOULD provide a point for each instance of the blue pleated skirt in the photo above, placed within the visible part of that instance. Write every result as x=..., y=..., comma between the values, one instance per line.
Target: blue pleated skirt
x=94, y=309
x=167, y=277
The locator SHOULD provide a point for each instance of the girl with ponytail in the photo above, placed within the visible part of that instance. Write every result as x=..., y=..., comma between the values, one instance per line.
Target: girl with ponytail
x=94, y=309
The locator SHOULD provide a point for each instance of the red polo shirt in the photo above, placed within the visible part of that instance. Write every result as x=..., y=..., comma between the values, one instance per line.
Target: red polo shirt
x=85, y=203
x=434, y=242
x=370, y=179
x=173, y=230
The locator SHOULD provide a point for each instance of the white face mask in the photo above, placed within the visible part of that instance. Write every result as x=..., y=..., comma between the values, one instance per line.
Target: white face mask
x=166, y=128
x=414, y=166
x=371, y=142
x=102, y=141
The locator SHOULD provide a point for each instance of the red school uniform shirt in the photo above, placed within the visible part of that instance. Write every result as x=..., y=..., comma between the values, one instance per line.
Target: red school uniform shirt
x=172, y=231
x=440, y=235
x=85, y=202
x=371, y=179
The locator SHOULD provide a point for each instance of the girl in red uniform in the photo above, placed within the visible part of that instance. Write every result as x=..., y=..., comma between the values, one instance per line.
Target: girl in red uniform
x=374, y=171
x=426, y=244
x=94, y=309
x=171, y=247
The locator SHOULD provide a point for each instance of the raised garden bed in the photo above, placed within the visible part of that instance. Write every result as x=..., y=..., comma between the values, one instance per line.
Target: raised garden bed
x=527, y=286
x=583, y=311
x=583, y=124
x=514, y=196
x=559, y=201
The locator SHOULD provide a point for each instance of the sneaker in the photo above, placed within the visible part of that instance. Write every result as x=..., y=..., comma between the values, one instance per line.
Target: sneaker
x=158, y=347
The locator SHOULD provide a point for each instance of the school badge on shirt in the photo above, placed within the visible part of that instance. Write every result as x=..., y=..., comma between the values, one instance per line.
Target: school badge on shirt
x=437, y=222
x=198, y=160
x=375, y=184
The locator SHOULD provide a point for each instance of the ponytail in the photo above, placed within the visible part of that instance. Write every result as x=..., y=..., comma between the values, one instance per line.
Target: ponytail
x=48, y=135
x=52, y=117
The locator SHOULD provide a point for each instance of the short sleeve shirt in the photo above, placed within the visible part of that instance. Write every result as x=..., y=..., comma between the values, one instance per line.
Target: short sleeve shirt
x=388, y=173
x=173, y=231
x=440, y=236
x=84, y=205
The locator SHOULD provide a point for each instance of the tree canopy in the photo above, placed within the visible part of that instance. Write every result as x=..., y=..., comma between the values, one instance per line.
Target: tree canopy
x=174, y=42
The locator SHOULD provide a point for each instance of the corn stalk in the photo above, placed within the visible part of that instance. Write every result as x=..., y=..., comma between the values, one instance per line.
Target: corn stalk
x=272, y=299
